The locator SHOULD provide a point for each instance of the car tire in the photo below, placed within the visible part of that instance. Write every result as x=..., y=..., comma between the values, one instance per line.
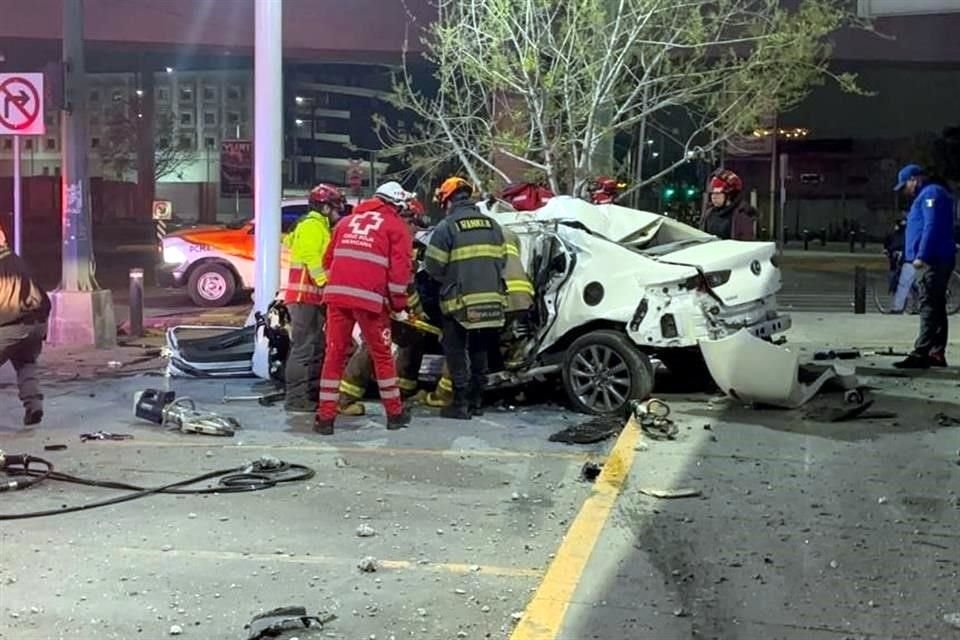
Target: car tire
x=212, y=285
x=603, y=371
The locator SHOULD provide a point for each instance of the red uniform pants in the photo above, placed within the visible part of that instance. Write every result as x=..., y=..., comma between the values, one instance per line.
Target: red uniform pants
x=375, y=329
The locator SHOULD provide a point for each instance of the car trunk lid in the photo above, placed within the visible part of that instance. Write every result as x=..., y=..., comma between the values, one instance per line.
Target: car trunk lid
x=739, y=272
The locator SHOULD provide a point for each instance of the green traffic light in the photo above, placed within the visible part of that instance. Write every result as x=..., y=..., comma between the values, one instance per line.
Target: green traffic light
x=669, y=192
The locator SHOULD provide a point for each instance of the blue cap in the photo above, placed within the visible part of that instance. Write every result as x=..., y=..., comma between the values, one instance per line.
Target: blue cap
x=909, y=171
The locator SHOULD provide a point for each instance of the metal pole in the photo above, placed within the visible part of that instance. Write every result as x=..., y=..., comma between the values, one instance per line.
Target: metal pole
x=268, y=148
x=77, y=272
x=783, y=197
x=136, y=303
x=17, y=204
x=773, y=181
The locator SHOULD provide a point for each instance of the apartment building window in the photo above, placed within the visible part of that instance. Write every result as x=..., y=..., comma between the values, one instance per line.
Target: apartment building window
x=209, y=118
x=210, y=143
x=186, y=118
x=29, y=145
x=186, y=94
x=7, y=144
x=94, y=143
x=163, y=94
x=117, y=94
x=46, y=171
x=234, y=92
x=187, y=142
x=233, y=117
x=209, y=93
x=93, y=97
x=163, y=143
x=51, y=144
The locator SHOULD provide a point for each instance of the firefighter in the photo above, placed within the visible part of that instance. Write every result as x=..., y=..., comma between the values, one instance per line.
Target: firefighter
x=308, y=243
x=24, y=309
x=368, y=271
x=519, y=302
x=467, y=256
x=408, y=357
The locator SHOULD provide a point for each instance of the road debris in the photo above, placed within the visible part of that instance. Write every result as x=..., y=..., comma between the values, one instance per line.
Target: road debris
x=595, y=430
x=368, y=564
x=590, y=471
x=54, y=447
x=176, y=630
x=668, y=494
x=273, y=623
x=365, y=531
x=945, y=420
x=952, y=619
x=837, y=354
x=104, y=435
x=340, y=463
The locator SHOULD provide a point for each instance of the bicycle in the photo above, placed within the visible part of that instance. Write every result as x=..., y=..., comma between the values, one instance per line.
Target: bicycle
x=885, y=290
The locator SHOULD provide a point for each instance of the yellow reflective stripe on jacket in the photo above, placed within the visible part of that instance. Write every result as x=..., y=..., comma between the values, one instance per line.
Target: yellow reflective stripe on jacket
x=471, y=299
x=438, y=255
x=513, y=250
x=308, y=242
x=319, y=275
x=477, y=251
x=519, y=286
x=351, y=389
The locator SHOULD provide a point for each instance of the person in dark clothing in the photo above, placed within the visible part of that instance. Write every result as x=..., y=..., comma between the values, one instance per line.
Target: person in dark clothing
x=930, y=248
x=727, y=215
x=467, y=255
x=24, y=309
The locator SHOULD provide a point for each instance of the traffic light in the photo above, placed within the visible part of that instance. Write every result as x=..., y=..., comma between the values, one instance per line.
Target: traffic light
x=669, y=192
x=691, y=193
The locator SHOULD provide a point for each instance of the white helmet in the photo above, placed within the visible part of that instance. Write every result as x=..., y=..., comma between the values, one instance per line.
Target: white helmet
x=394, y=193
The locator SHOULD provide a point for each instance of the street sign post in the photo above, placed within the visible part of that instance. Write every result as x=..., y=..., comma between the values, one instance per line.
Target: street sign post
x=21, y=114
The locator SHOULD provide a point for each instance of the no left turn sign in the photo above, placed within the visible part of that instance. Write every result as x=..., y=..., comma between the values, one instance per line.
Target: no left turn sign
x=21, y=104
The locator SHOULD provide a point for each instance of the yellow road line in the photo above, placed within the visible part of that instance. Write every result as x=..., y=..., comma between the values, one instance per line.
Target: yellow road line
x=544, y=615
x=390, y=451
x=203, y=554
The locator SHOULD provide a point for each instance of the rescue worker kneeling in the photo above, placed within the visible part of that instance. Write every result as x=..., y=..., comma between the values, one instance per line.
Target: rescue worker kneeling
x=359, y=371
x=368, y=271
x=520, y=294
x=308, y=243
x=467, y=256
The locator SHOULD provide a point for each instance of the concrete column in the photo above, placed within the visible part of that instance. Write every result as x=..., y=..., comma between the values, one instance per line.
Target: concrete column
x=267, y=160
x=82, y=312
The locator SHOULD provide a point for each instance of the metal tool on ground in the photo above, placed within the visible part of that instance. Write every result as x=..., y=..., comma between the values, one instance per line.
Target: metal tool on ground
x=163, y=408
x=653, y=416
x=263, y=399
x=104, y=435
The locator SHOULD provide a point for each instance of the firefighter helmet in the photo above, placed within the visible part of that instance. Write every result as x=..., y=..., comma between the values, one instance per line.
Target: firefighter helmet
x=451, y=187
x=726, y=182
x=325, y=194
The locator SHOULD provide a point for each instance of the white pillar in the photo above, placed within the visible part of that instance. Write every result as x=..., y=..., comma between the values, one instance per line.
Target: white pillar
x=268, y=154
x=268, y=148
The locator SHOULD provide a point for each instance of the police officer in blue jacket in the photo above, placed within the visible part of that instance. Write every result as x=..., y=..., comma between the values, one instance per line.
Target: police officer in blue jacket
x=931, y=249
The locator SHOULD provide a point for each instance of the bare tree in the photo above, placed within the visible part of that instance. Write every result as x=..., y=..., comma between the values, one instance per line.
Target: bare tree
x=123, y=133
x=548, y=82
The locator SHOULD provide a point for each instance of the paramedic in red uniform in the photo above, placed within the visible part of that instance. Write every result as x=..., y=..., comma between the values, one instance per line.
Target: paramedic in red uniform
x=368, y=269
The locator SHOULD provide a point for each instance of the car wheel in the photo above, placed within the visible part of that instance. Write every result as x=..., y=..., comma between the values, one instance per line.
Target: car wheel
x=212, y=285
x=603, y=371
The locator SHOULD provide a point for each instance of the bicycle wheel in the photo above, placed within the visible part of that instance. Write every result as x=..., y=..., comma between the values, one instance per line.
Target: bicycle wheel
x=953, y=293
x=882, y=295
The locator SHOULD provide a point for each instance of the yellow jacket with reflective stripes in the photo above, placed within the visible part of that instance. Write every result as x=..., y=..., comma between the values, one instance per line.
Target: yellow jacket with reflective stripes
x=467, y=256
x=519, y=287
x=307, y=242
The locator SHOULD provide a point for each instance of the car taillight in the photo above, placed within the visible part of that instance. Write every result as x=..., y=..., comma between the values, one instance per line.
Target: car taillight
x=717, y=278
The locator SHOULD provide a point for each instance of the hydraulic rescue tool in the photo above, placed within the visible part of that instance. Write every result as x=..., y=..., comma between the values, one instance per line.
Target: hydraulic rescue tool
x=164, y=408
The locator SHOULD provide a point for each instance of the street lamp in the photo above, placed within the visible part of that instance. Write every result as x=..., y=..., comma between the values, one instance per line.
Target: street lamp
x=299, y=99
x=169, y=69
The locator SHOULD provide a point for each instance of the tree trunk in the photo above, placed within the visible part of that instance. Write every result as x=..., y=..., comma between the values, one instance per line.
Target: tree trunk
x=146, y=180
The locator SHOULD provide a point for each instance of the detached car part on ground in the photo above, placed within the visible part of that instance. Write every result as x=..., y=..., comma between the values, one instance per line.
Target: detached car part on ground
x=616, y=287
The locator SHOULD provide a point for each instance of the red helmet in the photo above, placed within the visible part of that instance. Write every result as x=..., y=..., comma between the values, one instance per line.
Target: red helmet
x=326, y=194
x=725, y=181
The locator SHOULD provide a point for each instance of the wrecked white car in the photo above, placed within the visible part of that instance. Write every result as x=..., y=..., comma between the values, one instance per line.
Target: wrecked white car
x=615, y=288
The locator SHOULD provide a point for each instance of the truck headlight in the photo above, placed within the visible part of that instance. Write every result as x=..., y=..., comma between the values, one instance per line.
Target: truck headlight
x=174, y=255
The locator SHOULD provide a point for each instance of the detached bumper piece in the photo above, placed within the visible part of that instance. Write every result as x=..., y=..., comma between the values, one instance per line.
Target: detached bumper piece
x=758, y=372
x=211, y=352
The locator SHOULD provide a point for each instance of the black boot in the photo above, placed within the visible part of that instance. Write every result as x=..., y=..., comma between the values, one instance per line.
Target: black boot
x=475, y=401
x=459, y=409
x=399, y=421
x=322, y=426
